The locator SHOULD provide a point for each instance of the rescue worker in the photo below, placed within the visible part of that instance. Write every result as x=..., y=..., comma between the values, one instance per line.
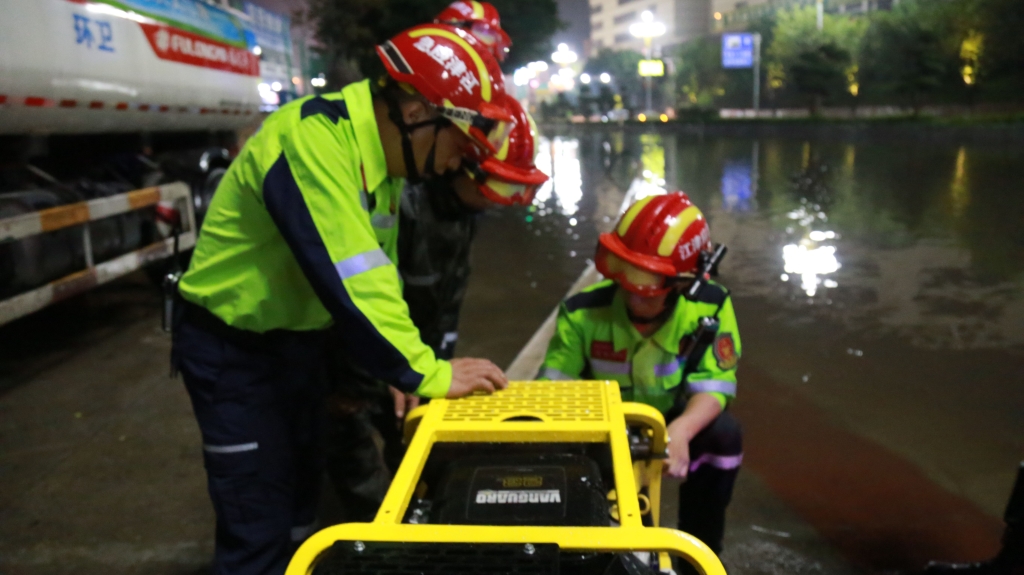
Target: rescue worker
x=437, y=224
x=295, y=240
x=679, y=355
x=1010, y=559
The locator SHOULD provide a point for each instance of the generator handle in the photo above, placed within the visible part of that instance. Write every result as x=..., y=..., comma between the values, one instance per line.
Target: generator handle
x=647, y=416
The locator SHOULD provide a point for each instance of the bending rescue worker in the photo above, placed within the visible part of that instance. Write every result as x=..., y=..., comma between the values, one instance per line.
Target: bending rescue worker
x=665, y=346
x=436, y=225
x=290, y=247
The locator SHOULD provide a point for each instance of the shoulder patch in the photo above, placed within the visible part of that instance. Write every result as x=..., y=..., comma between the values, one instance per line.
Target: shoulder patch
x=601, y=297
x=712, y=294
x=333, y=109
x=725, y=351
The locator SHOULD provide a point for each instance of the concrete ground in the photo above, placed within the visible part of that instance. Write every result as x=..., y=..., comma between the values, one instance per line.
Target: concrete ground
x=101, y=466
x=870, y=462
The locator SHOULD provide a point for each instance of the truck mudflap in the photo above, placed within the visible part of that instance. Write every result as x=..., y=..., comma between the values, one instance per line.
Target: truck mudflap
x=174, y=198
x=586, y=419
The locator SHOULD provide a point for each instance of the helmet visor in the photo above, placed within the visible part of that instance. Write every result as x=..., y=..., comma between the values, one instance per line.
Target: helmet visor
x=485, y=33
x=629, y=276
x=489, y=134
x=507, y=193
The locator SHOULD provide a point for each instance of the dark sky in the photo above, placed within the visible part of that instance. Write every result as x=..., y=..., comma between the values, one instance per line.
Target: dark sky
x=575, y=13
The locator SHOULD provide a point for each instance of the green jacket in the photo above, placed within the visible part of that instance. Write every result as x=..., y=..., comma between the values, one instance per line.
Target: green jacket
x=594, y=339
x=302, y=232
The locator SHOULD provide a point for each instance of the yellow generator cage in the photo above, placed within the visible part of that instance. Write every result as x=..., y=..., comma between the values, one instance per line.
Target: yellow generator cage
x=552, y=415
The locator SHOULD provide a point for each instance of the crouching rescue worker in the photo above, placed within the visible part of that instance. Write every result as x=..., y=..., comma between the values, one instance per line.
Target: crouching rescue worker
x=293, y=242
x=665, y=347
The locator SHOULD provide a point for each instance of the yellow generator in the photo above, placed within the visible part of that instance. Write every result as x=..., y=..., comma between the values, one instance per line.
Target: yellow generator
x=546, y=477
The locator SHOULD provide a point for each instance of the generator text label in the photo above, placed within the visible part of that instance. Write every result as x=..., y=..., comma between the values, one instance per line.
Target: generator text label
x=486, y=496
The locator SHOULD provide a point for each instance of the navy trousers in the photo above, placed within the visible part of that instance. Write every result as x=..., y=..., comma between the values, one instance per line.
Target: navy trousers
x=715, y=456
x=259, y=401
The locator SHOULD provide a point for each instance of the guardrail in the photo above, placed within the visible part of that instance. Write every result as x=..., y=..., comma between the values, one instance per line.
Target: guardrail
x=27, y=225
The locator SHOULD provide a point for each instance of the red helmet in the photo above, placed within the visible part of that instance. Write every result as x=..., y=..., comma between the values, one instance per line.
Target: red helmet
x=659, y=237
x=456, y=73
x=482, y=21
x=509, y=176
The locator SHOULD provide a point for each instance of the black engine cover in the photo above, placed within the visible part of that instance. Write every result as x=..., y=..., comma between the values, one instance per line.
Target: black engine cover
x=541, y=490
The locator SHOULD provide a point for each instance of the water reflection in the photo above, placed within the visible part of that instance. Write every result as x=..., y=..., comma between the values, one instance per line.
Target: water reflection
x=923, y=241
x=559, y=159
x=810, y=263
x=737, y=187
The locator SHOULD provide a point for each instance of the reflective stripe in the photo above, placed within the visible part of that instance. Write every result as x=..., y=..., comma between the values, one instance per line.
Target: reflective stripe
x=717, y=461
x=611, y=366
x=666, y=369
x=363, y=201
x=302, y=532
x=555, y=375
x=360, y=263
x=383, y=221
x=726, y=387
x=421, y=281
x=231, y=448
x=450, y=338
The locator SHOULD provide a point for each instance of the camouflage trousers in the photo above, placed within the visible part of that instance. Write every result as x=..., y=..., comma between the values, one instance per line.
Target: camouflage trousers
x=363, y=447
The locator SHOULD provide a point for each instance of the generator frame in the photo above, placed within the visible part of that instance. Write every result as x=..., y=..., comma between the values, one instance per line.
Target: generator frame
x=531, y=412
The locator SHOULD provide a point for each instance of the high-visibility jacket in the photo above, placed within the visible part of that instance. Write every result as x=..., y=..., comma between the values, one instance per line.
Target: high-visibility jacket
x=594, y=339
x=302, y=232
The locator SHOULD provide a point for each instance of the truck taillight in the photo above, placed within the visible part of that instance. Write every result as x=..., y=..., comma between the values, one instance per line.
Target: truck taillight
x=168, y=214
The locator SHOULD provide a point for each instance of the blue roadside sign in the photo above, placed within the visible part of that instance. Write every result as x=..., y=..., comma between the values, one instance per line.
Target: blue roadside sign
x=737, y=50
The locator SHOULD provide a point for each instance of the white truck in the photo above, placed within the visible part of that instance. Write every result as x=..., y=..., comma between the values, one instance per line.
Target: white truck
x=117, y=118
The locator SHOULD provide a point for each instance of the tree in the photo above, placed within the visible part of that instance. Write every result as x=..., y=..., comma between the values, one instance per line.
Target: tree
x=820, y=72
x=700, y=72
x=349, y=30
x=903, y=53
x=815, y=62
x=622, y=65
x=1003, y=23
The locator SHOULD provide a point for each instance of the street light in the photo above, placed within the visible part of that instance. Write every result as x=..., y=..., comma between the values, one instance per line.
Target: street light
x=605, y=77
x=564, y=55
x=522, y=76
x=584, y=78
x=647, y=29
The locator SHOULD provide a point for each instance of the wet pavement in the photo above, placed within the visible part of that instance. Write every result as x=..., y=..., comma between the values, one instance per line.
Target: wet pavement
x=878, y=288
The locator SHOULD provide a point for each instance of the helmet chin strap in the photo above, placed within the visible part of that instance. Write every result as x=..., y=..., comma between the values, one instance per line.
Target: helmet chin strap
x=412, y=171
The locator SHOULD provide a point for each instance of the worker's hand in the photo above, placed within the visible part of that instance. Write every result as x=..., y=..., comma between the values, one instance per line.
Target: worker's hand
x=404, y=403
x=471, y=374
x=678, y=463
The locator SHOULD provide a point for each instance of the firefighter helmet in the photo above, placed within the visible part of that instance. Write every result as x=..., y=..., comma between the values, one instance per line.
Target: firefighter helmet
x=452, y=70
x=482, y=21
x=509, y=176
x=658, y=238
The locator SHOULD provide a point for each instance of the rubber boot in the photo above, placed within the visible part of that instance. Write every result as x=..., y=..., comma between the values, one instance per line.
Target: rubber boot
x=1010, y=559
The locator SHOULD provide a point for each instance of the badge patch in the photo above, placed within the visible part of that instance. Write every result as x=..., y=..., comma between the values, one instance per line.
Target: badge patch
x=725, y=351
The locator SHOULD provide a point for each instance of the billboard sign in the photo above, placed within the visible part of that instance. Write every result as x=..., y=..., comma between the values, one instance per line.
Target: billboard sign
x=737, y=51
x=651, y=68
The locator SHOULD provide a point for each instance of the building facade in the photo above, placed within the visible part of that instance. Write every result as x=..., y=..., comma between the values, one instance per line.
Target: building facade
x=683, y=19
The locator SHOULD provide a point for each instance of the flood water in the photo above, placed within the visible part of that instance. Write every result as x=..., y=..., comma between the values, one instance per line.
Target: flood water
x=879, y=288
